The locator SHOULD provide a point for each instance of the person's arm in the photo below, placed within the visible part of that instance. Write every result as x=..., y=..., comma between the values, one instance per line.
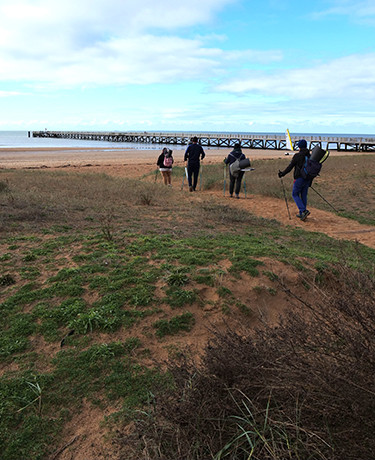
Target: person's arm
x=186, y=156
x=202, y=154
x=290, y=166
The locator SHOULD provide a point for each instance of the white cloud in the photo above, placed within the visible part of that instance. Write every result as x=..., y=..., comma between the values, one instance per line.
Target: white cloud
x=101, y=42
x=357, y=10
x=347, y=78
x=10, y=93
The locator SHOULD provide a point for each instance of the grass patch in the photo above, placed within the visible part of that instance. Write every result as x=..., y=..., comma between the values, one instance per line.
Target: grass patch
x=183, y=322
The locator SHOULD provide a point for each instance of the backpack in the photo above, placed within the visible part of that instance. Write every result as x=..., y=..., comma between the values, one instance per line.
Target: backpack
x=235, y=168
x=313, y=164
x=310, y=169
x=168, y=161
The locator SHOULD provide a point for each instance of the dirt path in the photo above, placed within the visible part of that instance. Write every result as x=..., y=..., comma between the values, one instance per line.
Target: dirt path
x=318, y=221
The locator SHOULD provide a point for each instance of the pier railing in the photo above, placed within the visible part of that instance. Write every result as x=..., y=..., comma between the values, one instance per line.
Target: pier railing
x=251, y=141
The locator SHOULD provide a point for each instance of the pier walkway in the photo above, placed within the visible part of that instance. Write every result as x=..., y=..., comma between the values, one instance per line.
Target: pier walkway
x=251, y=141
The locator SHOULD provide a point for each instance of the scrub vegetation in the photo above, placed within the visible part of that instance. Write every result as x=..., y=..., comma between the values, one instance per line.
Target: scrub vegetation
x=163, y=315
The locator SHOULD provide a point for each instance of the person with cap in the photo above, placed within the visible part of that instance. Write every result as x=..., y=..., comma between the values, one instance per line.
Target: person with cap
x=300, y=185
x=235, y=180
x=194, y=153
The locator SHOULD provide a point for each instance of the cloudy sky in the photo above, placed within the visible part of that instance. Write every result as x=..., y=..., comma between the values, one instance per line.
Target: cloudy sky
x=188, y=65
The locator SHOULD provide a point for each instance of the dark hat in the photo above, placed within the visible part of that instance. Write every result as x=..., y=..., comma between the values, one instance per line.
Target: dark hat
x=195, y=139
x=302, y=144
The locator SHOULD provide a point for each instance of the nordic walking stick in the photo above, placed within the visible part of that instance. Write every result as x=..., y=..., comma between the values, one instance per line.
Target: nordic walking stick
x=156, y=175
x=225, y=176
x=322, y=197
x=244, y=183
x=286, y=201
x=183, y=178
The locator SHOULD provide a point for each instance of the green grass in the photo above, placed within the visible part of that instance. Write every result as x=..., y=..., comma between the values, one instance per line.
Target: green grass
x=101, y=374
x=183, y=322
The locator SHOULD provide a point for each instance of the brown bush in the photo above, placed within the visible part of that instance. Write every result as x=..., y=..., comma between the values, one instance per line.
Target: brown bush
x=301, y=390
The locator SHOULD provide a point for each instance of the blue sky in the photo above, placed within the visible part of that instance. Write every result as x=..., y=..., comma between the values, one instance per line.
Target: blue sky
x=188, y=65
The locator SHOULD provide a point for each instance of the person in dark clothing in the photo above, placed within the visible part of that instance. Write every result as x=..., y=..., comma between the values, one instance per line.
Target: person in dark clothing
x=235, y=180
x=194, y=153
x=300, y=185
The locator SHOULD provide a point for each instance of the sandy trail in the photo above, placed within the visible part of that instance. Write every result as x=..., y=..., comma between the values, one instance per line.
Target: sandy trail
x=318, y=221
x=135, y=163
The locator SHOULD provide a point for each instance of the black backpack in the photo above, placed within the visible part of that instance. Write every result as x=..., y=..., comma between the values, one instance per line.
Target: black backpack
x=313, y=164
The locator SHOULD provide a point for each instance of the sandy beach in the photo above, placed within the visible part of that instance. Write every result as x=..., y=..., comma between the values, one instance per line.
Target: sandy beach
x=11, y=158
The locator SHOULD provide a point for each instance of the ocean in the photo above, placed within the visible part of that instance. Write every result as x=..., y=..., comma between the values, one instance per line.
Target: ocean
x=20, y=139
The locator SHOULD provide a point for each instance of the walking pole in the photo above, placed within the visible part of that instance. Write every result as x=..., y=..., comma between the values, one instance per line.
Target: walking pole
x=225, y=176
x=244, y=183
x=322, y=197
x=183, y=178
x=286, y=201
x=156, y=175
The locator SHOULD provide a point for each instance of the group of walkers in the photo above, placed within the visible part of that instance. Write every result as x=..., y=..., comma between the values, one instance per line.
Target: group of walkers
x=194, y=154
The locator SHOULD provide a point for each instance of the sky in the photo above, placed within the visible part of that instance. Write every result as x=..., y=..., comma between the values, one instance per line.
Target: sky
x=188, y=65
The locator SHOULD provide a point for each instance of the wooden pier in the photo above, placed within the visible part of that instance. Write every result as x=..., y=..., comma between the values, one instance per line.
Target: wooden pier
x=251, y=141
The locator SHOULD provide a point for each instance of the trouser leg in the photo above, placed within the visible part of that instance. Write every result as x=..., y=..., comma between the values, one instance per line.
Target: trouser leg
x=299, y=193
x=190, y=171
x=232, y=180
x=196, y=175
x=238, y=182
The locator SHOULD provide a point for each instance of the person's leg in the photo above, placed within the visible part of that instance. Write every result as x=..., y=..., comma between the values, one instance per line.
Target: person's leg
x=190, y=173
x=169, y=176
x=304, y=192
x=165, y=179
x=238, y=182
x=196, y=174
x=232, y=180
x=296, y=194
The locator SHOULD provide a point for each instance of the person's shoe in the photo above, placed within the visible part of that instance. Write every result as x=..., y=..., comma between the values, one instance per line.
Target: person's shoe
x=305, y=214
x=190, y=188
x=237, y=197
x=299, y=216
x=231, y=195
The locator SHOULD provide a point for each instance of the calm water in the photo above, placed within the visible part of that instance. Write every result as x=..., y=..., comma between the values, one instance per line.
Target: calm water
x=20, y=139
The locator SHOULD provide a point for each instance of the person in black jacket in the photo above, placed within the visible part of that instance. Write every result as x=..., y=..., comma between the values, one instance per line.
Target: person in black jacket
x=235, y=180
x=194, y=153
x=301, y=185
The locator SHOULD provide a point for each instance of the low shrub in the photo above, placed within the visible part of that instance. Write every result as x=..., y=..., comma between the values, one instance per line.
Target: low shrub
x=301, y=389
